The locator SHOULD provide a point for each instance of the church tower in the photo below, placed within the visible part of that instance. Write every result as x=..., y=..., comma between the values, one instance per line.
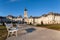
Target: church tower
x=25, y=16
x=25, y=13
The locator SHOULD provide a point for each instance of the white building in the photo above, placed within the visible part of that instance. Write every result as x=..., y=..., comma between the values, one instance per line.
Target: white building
x=19, y=18
x=50, y=18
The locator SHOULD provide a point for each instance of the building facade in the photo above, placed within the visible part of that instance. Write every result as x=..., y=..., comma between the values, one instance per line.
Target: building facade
x=50, y=18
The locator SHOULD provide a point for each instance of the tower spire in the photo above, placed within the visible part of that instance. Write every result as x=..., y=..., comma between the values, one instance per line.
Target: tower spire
x=25, y=9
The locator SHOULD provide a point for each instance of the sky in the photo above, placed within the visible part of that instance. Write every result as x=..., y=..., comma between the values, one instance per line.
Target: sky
x=34, y=7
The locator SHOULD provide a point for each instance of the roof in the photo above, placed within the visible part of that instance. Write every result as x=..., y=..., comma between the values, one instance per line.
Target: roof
x=25, y=9
x=51, y=13
x=45, y=15
x=34, y=17
x=11, y=16
x=20, y=16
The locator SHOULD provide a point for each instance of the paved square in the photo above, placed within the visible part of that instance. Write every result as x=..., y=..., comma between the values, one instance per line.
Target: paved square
x=36, y=33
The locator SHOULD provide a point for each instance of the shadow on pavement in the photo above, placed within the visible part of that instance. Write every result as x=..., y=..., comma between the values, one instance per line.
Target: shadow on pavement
x=30, y=30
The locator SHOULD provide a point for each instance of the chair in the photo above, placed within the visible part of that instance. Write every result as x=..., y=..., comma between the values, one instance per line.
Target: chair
x=11, y=29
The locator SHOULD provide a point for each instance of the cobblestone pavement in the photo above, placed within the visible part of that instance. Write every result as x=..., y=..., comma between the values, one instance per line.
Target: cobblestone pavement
x=36, y=33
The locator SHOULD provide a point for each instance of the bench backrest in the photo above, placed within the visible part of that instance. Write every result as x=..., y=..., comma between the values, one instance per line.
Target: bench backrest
x=8, y=26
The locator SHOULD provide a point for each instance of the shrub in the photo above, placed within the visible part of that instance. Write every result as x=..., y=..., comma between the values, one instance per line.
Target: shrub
x=3, y=33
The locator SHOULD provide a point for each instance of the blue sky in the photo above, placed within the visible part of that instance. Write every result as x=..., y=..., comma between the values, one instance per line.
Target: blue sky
x=35, y=7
